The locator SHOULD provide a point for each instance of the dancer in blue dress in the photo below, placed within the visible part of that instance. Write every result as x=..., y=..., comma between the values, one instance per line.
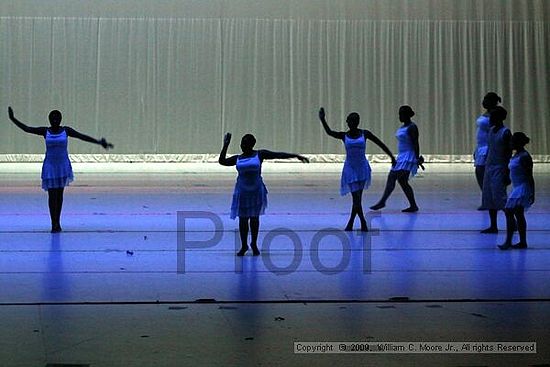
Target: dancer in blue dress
x=408, y=161
x=490, y=101
x=523, y=192
x=57, y=171
x=496, y=176
x=250, y=195
x=356, y=174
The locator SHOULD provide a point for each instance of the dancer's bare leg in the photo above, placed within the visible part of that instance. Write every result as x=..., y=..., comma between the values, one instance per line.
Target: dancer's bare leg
x=59, y=207
x=390, y=186
x=403, y=179
x=522, y=227
x=243, y=231
x=55, y=203
x=510, y=229
x=349, y=226
x=357, y=202
x=493, y=228
x=357, y=209
x=254, y=229
x=480, y=172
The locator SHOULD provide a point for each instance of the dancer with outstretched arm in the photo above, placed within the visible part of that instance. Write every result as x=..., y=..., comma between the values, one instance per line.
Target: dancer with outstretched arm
x=57, y=171
x=356, y=174
x=250, y=194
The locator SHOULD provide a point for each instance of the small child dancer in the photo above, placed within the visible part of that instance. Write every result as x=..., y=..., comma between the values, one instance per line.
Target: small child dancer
x=522, y=195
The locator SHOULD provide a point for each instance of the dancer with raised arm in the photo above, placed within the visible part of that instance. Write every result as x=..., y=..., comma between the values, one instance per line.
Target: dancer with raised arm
x=490, y=101
x=57, y=171
x=408, y=161
x=356, y=174
x=250, y=195
x=496, y=176
x=523, y=192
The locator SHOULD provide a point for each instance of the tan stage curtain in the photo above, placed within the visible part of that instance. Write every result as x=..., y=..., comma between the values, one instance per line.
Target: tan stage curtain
x=175, y=85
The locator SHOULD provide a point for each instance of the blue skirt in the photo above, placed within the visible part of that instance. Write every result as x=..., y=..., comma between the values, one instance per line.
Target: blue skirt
x=355, y=176
x=249, y=203
x=56, y=174
x=519, y=197
x=493, y=195
x=406, y=161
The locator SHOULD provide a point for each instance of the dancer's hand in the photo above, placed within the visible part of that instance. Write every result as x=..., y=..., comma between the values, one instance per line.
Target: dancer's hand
x=420, y=162
x=227, y=139
x=532, y=199
x=105, y=144
x=303, y=159
x=322, y=114
x=393, y=161
x=10, y=113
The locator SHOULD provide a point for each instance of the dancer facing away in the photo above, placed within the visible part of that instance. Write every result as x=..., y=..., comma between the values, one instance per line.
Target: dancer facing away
x=496, y=176
x=490, y=101
x=250, y=195
x=56, y=169
x=408, y=160
x=523, y=192
x=356, y=174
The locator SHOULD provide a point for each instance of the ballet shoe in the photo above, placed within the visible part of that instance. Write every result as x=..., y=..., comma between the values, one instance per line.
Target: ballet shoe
x=242, y=251
x=411, y=209
x=505, y=246
x=349, y=228
x=364, y=228
x=519, y=246
x=377, y=206
x=56, y=229
x=255, y=251
x=489, y=230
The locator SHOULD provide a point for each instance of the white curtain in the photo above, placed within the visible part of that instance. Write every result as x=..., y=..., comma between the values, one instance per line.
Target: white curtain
x=174, y=86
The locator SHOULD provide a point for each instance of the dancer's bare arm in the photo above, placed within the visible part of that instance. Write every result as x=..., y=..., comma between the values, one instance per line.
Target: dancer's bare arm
x=41, y=130
x=527, y=162
x=75, y=134
x=413, y=133
x=375, y=140
x=267, y=154
x=335, y=134
x=223, y=160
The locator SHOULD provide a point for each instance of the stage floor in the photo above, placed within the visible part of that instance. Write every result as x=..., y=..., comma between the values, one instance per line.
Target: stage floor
x=125, y=284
